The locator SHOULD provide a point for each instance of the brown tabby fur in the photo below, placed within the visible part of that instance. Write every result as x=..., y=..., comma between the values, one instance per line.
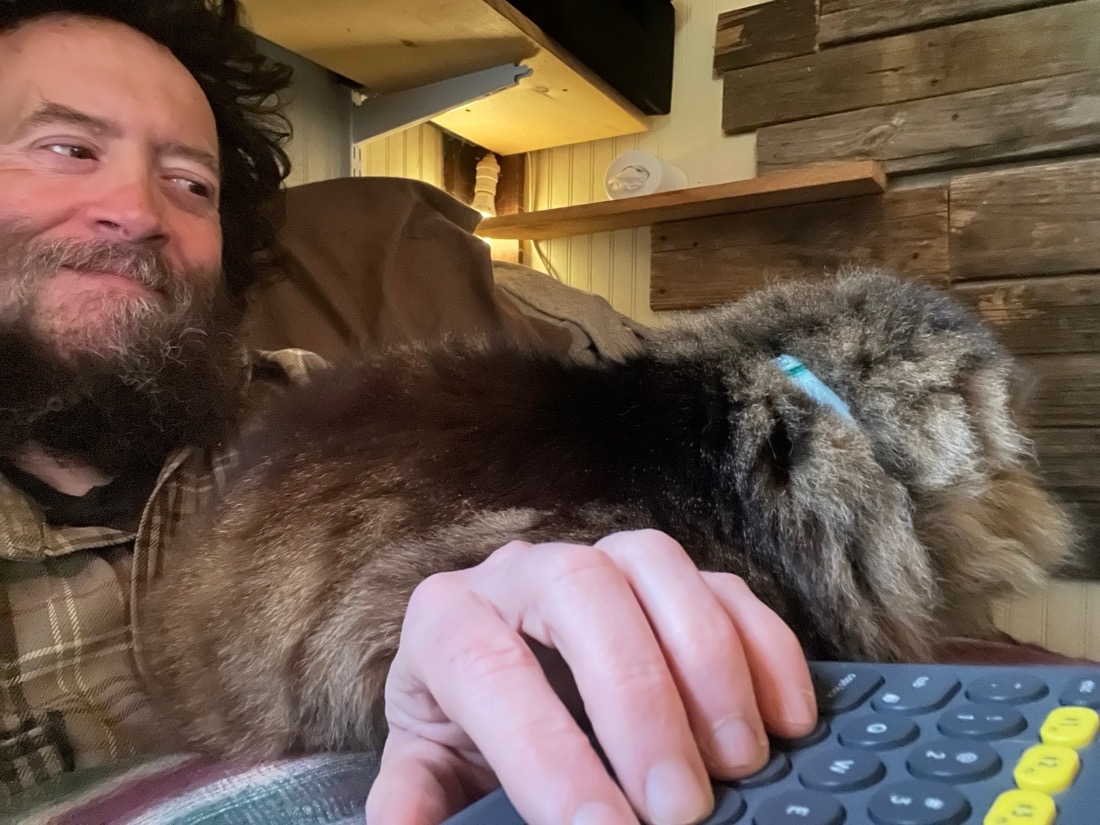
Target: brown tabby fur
x=274, y=628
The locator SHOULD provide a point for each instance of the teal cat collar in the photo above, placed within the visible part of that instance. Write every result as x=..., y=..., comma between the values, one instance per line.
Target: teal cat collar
x=813, y=386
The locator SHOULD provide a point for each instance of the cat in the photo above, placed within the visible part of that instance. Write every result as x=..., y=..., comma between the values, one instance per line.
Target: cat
x=873, y=526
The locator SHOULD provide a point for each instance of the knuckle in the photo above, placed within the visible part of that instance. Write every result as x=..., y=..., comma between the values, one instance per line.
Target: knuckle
x=646, y=542
x=512, y=548
x=435, y=593
x=481, y=662
x=566, y=562
x=702, y=647
x=733, y=584
x=700, y=650
x=646, y=683
x=504, y=556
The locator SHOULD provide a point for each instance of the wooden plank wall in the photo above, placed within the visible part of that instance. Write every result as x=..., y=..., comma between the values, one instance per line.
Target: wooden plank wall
x=1015, y=85
x=986, y=115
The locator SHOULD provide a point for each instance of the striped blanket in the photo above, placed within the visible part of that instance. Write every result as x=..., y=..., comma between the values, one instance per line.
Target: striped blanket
x=190, y=790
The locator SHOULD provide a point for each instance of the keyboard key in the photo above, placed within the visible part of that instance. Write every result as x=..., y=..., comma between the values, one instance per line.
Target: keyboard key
x=879, y=731
x=841, y=688
x=921, y=693
x=800, y=808
x=1014, y=688
x=1073, y=727
x=1083, y=691
x=1018, y=807
x=954, y=760
x=1046, y=768
x=778, y=767
x=494, y=808
x=842, y=769
x=728, y=807
x=988, y=721
x=918, y=803
x=820, y=732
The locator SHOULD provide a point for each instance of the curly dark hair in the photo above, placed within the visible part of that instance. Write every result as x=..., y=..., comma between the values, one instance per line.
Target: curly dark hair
x=242, y=86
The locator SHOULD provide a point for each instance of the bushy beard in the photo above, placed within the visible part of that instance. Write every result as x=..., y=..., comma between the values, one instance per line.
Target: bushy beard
x=142, y=376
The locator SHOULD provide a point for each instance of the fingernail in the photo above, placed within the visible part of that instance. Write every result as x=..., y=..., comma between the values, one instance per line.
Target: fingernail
x=675, y=795
x=801, y=710
x=739, y=745
x=597, y=813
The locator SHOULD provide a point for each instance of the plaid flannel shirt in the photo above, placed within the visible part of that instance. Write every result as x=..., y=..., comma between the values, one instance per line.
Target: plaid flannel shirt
x=70, y=694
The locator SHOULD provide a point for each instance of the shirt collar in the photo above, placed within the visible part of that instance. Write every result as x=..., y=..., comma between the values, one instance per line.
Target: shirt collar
x=26, y=536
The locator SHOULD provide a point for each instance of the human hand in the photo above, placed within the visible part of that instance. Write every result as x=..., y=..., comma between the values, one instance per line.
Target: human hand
x=680, y=672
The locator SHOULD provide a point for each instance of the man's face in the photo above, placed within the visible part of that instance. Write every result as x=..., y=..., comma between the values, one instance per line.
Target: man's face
x=118, y=339
x=108, y=183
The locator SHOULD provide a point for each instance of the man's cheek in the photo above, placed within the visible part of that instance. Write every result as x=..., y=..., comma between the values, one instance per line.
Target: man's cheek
x=198, y=246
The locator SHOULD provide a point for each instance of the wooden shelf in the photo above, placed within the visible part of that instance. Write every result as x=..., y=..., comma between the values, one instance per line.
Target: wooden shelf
x=809, y=184
x=396, y=45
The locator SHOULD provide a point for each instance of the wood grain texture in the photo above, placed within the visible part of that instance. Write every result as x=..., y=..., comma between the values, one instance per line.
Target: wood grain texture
x=704, y=262
x=1036, y=316
x=1018, y=121
x=766, y=32
x=827, y=181
x=1086, y=518
x=1062, y=391
x=391, y=46
x=1040, y=219
x=999, y=51
x=1069, y=458
x=846, y=20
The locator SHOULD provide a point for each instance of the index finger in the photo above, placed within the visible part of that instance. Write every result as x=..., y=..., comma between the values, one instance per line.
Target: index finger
x=576, y=600
x=485, y=678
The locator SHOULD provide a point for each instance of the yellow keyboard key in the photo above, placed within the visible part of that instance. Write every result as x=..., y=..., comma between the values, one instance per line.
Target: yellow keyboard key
x=1021, y=808
x=1047, y=768
x=1073, y=727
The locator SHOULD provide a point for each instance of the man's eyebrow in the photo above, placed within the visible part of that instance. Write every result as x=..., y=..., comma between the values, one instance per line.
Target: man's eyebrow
x=49, y=113
x=193, y=154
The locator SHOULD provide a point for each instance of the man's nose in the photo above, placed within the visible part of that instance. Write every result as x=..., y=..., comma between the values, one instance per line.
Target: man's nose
x=130, y=208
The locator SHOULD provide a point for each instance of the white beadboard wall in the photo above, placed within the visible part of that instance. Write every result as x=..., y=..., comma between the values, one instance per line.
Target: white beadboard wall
x=616, y=264
x=1065, y=616
x=414, y=153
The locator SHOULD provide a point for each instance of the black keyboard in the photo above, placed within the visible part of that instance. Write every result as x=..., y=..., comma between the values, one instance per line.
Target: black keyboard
x=920, y=745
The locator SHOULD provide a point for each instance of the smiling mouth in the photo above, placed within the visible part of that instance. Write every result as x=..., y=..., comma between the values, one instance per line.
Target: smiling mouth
x=116, y=279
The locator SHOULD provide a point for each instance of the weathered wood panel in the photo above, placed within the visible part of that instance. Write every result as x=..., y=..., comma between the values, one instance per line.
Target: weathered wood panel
x=760, y=34
x=1030, y=45
x=1063, y=391
x=846, y=20
x=1070, y=461
x=704, y=262
x=1086, y=518
x=1041, y=219
x=1036, y=117
x=1035, y=316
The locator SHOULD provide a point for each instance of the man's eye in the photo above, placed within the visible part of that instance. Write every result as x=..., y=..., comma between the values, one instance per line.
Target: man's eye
x=72, y=150
x=196, y=188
